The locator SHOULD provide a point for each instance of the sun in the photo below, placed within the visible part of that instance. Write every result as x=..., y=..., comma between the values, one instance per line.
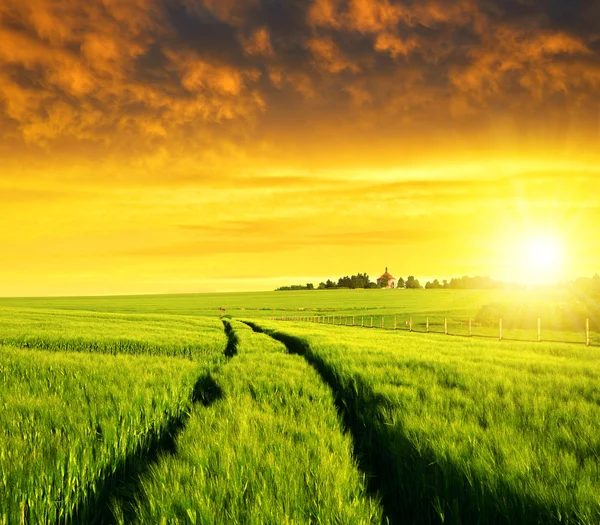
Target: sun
x=543, y=254
x=542, y=259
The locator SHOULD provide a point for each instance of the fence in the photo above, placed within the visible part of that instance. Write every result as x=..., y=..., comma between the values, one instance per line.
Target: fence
x=452, y=326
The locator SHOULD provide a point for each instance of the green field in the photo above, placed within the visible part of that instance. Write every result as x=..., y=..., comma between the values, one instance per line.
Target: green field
x=270, y=449
x=197, y=338
x=464, y=431
x=152, y=410
x=458, y=302
x=563, y=314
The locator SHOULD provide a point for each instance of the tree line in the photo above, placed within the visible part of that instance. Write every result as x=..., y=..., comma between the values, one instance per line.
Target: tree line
x=583, y=285
x=360, y=280
x=470, y=283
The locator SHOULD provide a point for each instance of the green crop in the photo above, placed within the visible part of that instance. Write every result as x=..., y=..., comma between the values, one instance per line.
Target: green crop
x=69, y=422
x=466, y=431
x=158, y=415
x=268, y=450
x=64, y=330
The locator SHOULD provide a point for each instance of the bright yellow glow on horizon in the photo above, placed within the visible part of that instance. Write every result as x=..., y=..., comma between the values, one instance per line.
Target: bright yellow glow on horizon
x=542, y=259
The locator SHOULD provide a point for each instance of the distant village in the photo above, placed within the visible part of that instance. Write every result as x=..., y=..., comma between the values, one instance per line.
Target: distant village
x=388, y=281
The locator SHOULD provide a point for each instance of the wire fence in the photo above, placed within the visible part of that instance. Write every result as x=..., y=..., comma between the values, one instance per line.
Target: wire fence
x=579, y=333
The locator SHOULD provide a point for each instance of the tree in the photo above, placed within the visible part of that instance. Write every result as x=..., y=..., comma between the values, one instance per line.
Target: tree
x=321, y=286
x=411, y=282
x=360, y=280
x=400, y=283
x=310, y=286
x=433, y=286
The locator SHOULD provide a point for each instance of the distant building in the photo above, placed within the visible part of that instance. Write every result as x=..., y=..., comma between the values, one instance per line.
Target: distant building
x=387, y=280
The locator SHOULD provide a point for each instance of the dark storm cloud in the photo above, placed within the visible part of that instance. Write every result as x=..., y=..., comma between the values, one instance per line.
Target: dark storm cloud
x=163, y=70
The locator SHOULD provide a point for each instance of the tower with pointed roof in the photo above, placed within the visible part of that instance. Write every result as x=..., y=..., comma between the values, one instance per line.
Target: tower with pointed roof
x=387, y=280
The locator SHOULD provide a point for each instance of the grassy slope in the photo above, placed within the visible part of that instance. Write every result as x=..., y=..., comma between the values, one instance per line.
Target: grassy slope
x=270, y=450
x=466, y=431
x=563, y=314
x=460, y=302
x=83, y=421
x=182, y=336
x=69, y=422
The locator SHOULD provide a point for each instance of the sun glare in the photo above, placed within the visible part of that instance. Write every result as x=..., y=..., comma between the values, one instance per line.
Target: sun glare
x=542, y=258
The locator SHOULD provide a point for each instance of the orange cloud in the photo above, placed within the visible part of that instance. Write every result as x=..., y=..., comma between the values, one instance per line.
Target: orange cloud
x=329, y=57
x=259, y=43
x=365, y=16
x=81, y=61
x=394, y=45
x=535, y=59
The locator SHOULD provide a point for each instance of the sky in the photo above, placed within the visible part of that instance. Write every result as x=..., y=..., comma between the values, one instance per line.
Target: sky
x=171, y=146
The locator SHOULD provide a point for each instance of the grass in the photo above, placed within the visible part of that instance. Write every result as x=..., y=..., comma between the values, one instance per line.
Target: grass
x=457, y=326
x=269, y=450
x=563, y=313
x=465, y=431
x=112, y=333
x=72, y=425
x=258, y=304
x=110, y=408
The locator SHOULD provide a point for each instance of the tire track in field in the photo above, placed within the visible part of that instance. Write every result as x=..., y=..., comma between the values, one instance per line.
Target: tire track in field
x=414, y=486
x=232, y=339
x=125, y=483
x=354, y=420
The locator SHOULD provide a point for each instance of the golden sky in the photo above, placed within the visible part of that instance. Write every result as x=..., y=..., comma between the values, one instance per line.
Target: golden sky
x=153, y=146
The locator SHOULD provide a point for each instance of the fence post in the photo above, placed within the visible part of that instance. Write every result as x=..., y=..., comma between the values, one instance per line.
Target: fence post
x=539, y=329
x=362, y=321
x=371, y=321
x=500, y=329
x=382, y=322
x=395, y=322
x=470, y=329
x=445, y=326
x=587, y=332
x=410, y=324
x=353, y=321
x=427, y=325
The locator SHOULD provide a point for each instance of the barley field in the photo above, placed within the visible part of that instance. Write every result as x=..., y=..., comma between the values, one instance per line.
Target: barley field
x=464, y=431
x=154, y=410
